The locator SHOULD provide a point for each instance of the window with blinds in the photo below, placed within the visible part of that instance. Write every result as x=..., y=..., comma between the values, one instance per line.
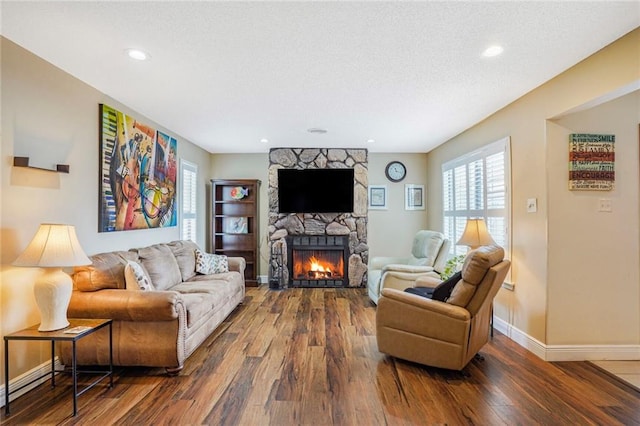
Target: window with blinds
x=475, y=185
x=189, y=186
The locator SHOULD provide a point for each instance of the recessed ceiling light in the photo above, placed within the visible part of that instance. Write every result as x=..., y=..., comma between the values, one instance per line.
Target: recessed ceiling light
x=317, y=130
x=264, y=140
x=370, y=140
x=492, y=51
x=137, y=54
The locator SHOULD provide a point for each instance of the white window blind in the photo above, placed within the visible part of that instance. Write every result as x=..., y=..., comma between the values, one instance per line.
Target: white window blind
x=189, y=196
x=475, y=185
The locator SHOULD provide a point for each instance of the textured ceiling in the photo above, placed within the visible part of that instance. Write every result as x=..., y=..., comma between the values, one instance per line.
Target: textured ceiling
x=225, y=75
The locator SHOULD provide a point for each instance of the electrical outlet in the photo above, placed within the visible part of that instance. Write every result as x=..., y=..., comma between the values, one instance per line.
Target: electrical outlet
x=604, y=205
x=532, y=205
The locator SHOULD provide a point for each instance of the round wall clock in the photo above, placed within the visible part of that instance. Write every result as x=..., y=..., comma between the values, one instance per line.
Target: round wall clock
x=395, y=171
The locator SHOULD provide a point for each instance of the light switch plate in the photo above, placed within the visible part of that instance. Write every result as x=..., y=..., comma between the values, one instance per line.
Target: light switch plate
x=532, y=205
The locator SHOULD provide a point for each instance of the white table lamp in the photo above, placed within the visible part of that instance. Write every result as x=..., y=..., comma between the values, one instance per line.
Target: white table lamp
x=475, y=234
x=53, y=247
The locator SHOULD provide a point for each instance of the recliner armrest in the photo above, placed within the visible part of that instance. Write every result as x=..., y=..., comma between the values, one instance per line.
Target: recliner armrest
x=413, y=269
x=380, y=261
x=428, y=280
x=126, y=305
x=426, y=304
x=403, y=280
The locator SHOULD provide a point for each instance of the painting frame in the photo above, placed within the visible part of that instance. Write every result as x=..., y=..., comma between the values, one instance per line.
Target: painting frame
x=138, y=174
x=377, y=197
x=414, y=197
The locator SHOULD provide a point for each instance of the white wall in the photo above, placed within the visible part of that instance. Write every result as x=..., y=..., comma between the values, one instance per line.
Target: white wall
x=51, y=117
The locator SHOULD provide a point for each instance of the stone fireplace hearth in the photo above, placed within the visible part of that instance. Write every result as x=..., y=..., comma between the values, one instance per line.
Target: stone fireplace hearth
x=348, y=230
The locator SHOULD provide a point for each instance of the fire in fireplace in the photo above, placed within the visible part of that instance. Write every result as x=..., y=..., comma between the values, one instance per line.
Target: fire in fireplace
x=317, y=265
x=318, y=261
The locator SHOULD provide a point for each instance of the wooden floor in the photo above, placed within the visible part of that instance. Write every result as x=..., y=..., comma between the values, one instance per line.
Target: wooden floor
x=309, y=357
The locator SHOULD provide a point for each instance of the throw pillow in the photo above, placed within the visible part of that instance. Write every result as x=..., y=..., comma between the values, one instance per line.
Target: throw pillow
x=207, y=263
x=444, y=289
x=440, y=292
x=136, y=277
x=420, y=291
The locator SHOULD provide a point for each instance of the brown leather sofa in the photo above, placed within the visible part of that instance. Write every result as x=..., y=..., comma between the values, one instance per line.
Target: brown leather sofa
x=443, y=334
x=159, y=328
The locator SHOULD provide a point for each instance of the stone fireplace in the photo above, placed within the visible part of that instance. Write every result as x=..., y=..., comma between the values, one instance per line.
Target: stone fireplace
x=320, y=249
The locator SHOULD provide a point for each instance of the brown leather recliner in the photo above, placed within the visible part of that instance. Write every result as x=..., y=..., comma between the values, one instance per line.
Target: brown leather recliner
x=443, y=334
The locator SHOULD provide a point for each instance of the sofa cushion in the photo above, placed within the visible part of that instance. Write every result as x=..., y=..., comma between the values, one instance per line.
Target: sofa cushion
x=185, y=254
x=162, y=267
x=136, y=277
x=207, y=263
x=198, y=306
x=105, y=271
x=205, y=294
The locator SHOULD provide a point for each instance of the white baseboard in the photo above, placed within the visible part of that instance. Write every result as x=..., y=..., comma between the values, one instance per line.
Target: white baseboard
x=593, y=352
x=532, y=345
x=25, y=378
x=263, y=279
x=567, y=352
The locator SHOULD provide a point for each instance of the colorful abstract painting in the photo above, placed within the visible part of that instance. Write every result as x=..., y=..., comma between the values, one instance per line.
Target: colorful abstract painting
x=138, y=166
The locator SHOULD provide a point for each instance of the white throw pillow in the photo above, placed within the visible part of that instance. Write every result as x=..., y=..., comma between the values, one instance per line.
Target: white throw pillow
x=207, y=263
x=136, y=278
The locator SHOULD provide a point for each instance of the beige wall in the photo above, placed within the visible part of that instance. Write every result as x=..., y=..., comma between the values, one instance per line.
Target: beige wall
x=594, y=290
x=52, y=118
x=391, y=231
x=536, y=279
x=247, y=166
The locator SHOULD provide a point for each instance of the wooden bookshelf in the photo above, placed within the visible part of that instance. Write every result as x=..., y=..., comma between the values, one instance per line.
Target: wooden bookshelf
x=234, y=222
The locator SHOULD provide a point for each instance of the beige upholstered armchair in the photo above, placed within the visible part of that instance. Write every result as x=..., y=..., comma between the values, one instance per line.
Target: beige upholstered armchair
x=443, y=334
x=428, y=257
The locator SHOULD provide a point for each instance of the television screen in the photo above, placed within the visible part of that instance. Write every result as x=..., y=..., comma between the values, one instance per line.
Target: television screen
x=315, y=191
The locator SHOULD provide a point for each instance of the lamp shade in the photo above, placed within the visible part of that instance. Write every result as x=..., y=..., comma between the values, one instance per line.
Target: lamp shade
x=475, y=234
x=53, y=246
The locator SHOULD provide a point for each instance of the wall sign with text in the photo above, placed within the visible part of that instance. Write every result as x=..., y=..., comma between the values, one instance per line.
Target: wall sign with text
x=591, y=162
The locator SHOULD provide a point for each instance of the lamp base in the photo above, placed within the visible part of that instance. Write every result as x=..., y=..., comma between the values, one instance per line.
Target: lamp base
x=52, y=291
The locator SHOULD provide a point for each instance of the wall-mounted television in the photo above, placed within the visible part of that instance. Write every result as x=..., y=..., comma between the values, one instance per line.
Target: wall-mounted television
x=315, y=190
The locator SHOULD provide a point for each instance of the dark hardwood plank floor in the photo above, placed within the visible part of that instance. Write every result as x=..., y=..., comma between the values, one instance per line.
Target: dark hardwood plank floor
x=309, y=357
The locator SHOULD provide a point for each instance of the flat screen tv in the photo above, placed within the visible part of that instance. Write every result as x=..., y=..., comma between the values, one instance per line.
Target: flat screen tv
x=315, y=191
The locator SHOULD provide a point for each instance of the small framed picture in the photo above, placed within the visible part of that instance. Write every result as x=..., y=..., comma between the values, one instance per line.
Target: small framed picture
x=235, y=225
x=414, y=197
x=377, y=197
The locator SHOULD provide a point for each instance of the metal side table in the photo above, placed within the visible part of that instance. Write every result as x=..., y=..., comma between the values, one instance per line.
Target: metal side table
x=89, y=326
